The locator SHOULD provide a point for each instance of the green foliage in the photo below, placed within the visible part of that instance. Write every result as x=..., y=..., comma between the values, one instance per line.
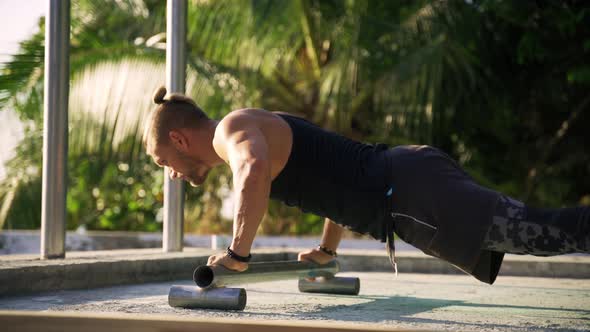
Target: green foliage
x=521, y=121
x=501, y=85
x=130, y=191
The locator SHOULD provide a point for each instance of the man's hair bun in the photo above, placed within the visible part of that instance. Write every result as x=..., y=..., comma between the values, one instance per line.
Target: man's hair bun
x=159, y=95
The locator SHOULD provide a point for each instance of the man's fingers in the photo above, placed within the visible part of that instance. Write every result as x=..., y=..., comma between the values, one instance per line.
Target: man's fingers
x=304, y=256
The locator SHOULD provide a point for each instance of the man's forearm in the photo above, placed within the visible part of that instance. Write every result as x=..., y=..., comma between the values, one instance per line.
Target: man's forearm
x=332, y=235
x=252, y=188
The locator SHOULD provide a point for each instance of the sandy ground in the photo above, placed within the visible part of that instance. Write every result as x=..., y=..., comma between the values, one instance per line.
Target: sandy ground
x=414, y=301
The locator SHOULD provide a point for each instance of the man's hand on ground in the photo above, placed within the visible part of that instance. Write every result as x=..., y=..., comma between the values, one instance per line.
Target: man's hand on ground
x=228, y=262
x=315, y=255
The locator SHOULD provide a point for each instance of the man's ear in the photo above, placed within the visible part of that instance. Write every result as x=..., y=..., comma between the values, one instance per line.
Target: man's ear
x=179, y=141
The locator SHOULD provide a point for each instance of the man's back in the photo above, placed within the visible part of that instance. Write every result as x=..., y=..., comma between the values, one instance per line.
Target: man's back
x=335, y=177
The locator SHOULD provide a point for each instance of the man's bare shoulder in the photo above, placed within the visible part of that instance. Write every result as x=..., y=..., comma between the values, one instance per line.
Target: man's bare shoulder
x=235, y=123
x=239, y=121
x=247, y=117
x=245, y=112
x=254, y=124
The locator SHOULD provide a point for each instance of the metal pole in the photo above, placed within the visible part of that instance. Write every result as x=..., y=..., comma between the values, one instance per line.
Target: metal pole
x=207, y=276
x=217, y=298
x=336, y=285
x=55, y=130
x=175, y=82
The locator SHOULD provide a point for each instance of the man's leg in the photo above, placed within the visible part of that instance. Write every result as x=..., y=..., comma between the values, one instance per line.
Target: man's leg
x=519, y=229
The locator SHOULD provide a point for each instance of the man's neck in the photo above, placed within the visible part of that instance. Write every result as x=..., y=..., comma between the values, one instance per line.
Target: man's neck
x=207, y=135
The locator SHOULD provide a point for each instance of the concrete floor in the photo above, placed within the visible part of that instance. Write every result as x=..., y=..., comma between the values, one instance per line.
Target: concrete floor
x=413, y=301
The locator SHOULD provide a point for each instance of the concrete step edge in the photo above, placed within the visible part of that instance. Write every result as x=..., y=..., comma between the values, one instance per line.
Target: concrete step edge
x=27, y=274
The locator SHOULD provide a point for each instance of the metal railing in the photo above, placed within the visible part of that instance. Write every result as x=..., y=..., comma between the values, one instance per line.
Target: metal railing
x=55, y=129
x=175, y=82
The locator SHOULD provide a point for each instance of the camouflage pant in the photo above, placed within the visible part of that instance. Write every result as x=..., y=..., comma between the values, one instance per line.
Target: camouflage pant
x=518, y=229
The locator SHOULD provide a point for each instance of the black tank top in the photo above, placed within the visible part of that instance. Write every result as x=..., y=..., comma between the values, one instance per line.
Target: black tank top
x=333, y=176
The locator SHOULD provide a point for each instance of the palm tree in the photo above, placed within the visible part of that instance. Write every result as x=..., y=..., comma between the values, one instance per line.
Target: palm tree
x=104, y=43
x=395, y=72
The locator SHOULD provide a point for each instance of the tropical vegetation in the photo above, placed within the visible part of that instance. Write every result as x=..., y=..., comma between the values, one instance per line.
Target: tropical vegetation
x=502, y=86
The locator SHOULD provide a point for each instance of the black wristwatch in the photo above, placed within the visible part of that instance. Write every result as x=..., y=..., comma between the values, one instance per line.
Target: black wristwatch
x=244, y=259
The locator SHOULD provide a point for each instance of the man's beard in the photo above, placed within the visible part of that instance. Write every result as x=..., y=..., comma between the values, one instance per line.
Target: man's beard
x=195, y=179
x=192, y=177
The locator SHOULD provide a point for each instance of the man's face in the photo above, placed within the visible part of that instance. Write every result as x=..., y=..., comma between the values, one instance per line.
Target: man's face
x=180, y=164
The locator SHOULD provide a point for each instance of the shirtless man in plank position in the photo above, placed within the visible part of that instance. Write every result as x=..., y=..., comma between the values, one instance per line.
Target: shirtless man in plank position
x=418, y=192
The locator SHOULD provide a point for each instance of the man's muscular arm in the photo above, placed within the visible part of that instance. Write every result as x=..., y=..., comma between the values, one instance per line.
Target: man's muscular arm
x=251, y=179
x=245, y=149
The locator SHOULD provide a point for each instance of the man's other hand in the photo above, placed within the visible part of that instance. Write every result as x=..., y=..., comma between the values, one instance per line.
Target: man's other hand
x=315, y=255
x=224, y=260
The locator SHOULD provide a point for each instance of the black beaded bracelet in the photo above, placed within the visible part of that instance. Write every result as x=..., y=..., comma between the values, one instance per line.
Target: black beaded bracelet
x=327, y=251
x=230, y=253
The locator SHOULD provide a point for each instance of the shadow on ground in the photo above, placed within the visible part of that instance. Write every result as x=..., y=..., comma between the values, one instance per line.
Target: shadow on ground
x=364, y=309
x=405, y=309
